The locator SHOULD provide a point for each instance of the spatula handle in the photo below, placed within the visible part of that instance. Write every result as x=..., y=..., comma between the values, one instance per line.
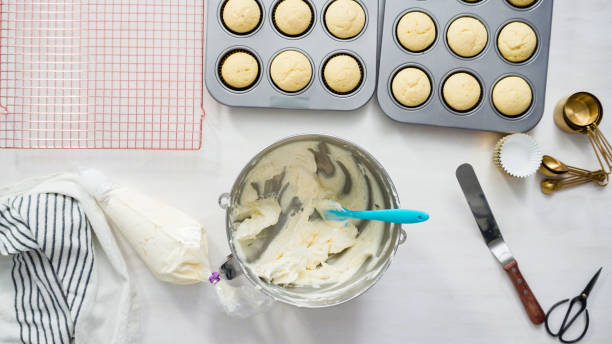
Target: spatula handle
x=534, y=311
x=390, y=215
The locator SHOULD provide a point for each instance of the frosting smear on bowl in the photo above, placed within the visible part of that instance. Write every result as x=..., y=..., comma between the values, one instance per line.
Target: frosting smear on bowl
x=278, y=231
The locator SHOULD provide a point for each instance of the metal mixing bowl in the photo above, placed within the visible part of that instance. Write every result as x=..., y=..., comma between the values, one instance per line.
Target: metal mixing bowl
x=308, y=296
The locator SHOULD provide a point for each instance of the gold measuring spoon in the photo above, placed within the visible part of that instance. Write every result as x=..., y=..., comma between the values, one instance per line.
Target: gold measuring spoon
x=549, y=186
x=582, y=112
x=552, y=167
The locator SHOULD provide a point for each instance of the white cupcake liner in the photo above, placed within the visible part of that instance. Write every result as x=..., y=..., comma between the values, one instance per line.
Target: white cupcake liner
x=518, y=155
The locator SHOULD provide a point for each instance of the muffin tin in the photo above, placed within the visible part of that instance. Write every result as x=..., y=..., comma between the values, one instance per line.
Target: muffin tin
x=266, y=41
x=439, y=62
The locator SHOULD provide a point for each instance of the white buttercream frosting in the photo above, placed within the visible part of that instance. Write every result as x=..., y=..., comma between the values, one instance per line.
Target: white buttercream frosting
x=278, y=230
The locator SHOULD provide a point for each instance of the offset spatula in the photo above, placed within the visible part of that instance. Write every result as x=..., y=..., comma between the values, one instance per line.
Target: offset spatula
x=493, y=238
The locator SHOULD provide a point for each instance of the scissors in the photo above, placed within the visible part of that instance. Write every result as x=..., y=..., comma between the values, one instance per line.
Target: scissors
x=565, y=325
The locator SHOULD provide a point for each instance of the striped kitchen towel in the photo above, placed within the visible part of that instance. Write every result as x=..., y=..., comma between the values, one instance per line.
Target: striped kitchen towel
x=60, y=269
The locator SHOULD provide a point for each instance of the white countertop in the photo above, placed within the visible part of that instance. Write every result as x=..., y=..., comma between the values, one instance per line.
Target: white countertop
x=443, y=286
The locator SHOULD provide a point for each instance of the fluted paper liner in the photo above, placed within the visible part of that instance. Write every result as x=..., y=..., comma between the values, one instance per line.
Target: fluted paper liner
x=518, y=155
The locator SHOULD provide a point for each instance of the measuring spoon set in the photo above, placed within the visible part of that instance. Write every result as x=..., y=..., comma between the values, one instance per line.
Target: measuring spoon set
x=579, y=113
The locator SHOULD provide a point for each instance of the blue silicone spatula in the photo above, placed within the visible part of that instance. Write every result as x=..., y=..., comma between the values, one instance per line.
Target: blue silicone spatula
x=385, y=215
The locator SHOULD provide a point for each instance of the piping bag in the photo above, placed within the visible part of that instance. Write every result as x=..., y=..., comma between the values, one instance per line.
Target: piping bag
x=172, y=244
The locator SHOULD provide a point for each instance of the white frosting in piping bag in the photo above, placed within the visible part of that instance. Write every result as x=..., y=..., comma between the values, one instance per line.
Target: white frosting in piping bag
x=279, y=233
x=171, y=243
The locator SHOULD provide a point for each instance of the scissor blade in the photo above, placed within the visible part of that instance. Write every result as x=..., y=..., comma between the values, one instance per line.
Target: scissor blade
x=589, y=286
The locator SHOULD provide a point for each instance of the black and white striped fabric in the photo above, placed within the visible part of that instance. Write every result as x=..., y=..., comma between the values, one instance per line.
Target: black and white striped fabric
x=49, y=240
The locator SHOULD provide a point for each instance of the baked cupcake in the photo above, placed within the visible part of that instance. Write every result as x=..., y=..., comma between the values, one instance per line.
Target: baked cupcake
x=291, y=71
x=512, y=96
x=461, y=91
x=416, y=31
x=239, y=70
x=342, y=74
x=241, y=16
x=522, y=3
x=292, y=17
x=411, y=87
x=467, y=36
x=517, y=41
x=344, y=18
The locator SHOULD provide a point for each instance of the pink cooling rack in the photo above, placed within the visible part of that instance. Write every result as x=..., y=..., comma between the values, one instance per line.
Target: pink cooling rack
x=110, y=74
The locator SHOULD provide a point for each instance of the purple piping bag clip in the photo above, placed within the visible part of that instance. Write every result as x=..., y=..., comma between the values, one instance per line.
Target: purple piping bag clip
x=214, y=278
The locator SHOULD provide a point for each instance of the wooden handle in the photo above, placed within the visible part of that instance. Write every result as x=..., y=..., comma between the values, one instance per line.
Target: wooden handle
x=534, y=311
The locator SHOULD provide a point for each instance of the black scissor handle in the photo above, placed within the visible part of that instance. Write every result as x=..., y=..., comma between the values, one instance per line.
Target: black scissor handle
x=565, y=325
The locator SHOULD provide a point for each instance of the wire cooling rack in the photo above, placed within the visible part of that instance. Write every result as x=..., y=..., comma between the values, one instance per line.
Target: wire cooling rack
x=110, y=74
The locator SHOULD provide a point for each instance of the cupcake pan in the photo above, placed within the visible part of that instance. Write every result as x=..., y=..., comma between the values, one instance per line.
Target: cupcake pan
x=265, y=42
x=488, y=67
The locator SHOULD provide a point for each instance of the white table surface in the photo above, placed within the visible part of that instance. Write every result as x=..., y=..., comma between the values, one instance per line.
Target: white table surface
x=443, y=286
